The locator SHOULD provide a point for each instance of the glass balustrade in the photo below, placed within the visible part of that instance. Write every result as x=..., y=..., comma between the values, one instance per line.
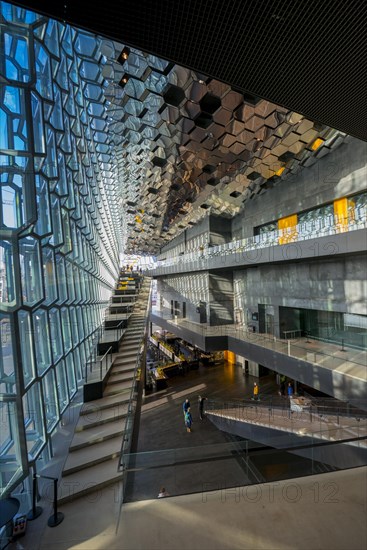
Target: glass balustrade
x=316, y=228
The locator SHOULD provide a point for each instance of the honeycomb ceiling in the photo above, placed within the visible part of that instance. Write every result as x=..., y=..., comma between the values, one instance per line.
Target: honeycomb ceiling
x=188, y=144
x=309, y=56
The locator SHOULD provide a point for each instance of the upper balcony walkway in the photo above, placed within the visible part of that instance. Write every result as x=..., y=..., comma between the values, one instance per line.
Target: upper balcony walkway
x=295, y=424
x=341, y=373
x=294, y=244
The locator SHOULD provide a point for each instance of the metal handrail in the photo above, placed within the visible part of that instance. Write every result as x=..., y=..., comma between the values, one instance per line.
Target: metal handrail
x=301, y=232
x=126, y=438
x=318, y=407
x=292, y=347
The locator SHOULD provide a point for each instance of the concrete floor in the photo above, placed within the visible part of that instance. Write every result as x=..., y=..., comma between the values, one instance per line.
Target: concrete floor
x=325, y=512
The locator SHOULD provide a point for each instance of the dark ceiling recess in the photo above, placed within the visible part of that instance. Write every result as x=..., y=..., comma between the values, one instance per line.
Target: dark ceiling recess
x=309, y=57
x=173, y=95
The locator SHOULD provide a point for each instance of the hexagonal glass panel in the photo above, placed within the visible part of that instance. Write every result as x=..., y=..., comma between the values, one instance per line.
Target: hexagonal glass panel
x=57, y=344
x=26, y=346
x=62, y=386
x=33, y=420
x=31, y=271
x=10, y=451
x=7, y=376
x=50, y=400
x=42, y=340
x=7, y=282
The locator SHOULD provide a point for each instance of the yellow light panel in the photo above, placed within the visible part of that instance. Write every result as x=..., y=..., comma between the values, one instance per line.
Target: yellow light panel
x=316, y=144
x=280, y=171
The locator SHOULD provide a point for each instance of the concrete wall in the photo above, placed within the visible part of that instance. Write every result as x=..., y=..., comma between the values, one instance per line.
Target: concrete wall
x=208, y=297
x=192, y=289
x=335, y=284
x=220, y=230
x=341, y=173
x=221, y=298
x=211, y=229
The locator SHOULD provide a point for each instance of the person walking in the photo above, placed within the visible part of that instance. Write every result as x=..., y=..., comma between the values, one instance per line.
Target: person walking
x=255, y=392
x=188, y=420
x=201, y=406
x=185, y=406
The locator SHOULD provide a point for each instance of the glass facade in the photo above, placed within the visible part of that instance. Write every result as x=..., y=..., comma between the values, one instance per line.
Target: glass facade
x=59, y=222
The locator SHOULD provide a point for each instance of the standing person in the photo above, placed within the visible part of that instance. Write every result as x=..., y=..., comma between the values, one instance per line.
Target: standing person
x=290, y=389
x=255, y=392
x=185, y=406
x=201, y=406
x=188, y=420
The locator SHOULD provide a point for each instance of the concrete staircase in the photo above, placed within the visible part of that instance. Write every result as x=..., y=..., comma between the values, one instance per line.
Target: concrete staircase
x=92, y=462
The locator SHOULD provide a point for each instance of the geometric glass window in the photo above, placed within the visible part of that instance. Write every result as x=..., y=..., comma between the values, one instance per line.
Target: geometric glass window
x=26, y=346
x=33, y=420
x=42, y=340
x=31, y=271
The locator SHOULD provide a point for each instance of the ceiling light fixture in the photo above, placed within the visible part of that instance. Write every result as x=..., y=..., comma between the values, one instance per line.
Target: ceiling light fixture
x=316, y=144
x=124, y=55
x=280, y=171
x=124, y=80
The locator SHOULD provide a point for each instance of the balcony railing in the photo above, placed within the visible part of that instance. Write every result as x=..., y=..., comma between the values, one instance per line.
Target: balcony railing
x=320, y=227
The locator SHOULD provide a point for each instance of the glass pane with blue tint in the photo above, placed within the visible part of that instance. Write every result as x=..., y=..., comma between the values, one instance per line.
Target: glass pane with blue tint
x=81, y=331
x=50, y=399
x=13, y=105
x=62, y=386
x=43, y=225
x=66, y=329
x=49, y=273
x=61, y=278
x=31, y=271
x=70, y=280
x=16, y=56
x=7, y=282
x=38, y=126
x=33, y=420
x=10, y=448
x=67, y=246
x=42, y=340
x=57, y=237
x=7, y=375
x=73, y=388
x=26, y=346
x=43, y=71
x=56, y=335
x=78, y=365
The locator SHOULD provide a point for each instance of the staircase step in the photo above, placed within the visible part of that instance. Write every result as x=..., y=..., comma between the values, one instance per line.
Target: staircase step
x=120, y=378
x=104, y=403
x=123, y=368
x=86, y=438
x=127, y=346
x=88, y=480
x=133, y=352
x=98, y=417
x=93, y=454
x=117, y=388
x=124, y=362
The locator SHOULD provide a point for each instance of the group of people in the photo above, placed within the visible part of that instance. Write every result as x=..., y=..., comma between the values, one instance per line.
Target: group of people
x=187, y=412
x=282, y=391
